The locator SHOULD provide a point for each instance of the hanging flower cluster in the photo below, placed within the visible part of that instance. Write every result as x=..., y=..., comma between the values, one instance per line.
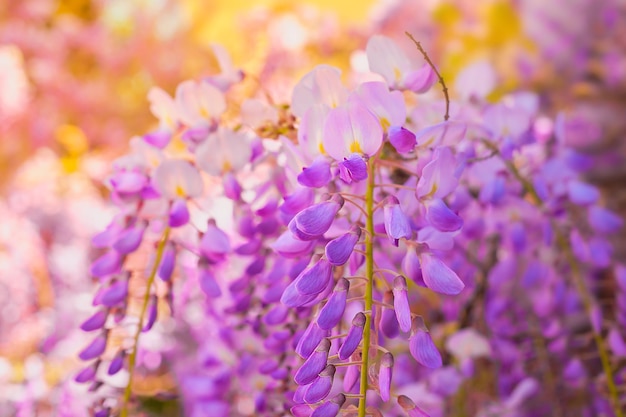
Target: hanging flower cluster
x=363, y=262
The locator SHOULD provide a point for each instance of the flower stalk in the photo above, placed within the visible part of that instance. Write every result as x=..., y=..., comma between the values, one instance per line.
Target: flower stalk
x=132, y=357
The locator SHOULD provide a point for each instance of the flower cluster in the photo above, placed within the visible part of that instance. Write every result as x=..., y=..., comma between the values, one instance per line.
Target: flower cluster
x=351, y=253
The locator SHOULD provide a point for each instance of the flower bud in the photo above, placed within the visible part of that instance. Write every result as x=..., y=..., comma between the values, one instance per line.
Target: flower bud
x=355, y=334
x=320, y=388
x=311, y=368
x=401, y=303
x=338, y=250
x=384, y=376
x=330, y=315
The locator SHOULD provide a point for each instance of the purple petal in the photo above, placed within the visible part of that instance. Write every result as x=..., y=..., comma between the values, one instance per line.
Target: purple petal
x=423, y=349
x=293, y=298
x=115, y=294
x=351, y=377
x=301, y=410
x=581, y=193
x=397, y=224
x=439, y=277
x=355, y=334
x=168, y=261
x=439, y=176
x=297, y=201
x=152, y=314
x=320, y=388
x=604, y=221
x=94, y=349
x=277, y=315
x=330, y=408
x=403, y=140
x=208, y=284
x=86, y=375
x=179, y=213
x=117, y=363
x=441, y=217
x=353, y=169
x=107, y=264
x=314, y=279
x=310, y=340
x=290, y=247
x=314, y=221
x=158, y=138
x=332, y=312
x=389, y=326
x=95, y=322
x=232, y=188
x=338, y=250
x=385, y=375
x=420, y=81
x=316, y=175
x=311, y=368
x=214, y=244
x=129, y=240
x=128, y=182
x=411, y=266
x=401, y=303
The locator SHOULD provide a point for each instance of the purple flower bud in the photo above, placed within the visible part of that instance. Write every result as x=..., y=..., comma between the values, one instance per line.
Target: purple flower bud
x=311, y=368
x=215, y=244
x=320, y=388
x=232, y=188
x=330, y=315
x=439, y=277
x=316, y=175
x=411, y=266
x=314, y=279
x=518, y=236
x=280, y=374
x=268, y=226
x=338, y=250
x=297, y=201
x=256, y=266
x=355, y=334
x=298, y=395
x=179, y=213
x=168, y=261
x=441, y=217
x=208, y=284
x=115, y=294
x=96, y=321
x=604, y=221
x=274, y=292
x=87, y=374
x=268, y=366
x=402, y=139
x=152, y=314
x=397, y=224
x=117, y=363
x=293, y=298
x=251, y=247
x=277, y=315
x=353, y=169
x=388, y=321
x=290, y=247
x=581, y=193
x=409, y=406
x=351, y=377
x=129, y=240
x=107, y=264
x=384, y=376
x=312, y=222
x=330, y=408
x=105, y=412
x=422, y=347
x=95, y=348
x=246, y=226
x=310, y=340
x=301, y=410
x=401, y=303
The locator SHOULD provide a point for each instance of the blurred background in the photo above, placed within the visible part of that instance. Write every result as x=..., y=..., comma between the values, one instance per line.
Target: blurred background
x=74, y=75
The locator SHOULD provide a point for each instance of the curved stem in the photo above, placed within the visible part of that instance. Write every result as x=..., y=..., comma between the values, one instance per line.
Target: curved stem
x=369, y=274
x=132, y=358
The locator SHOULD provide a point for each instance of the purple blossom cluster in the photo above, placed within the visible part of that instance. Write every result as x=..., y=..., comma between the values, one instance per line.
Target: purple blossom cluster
x=350, y=253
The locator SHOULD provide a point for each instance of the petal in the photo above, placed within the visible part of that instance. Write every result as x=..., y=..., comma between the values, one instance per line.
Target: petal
x=107, y=264
x=208, y=284
x=397, y=224
x=387, y=59
x=441, y=217
x=317, y=219
x=178, y=178
x=115, y=294
x=387, y=105
x=117, y=363
x=314, y=279
x=330, y=408
x=581, y=193
x=424, y=350
x=310, y=340
x=401, y=303
x=332, y=312
x=438, y=276
x=179, y=213
x=95, y=322
x=411, y=266
x=315, y=175
x=421, y=80
x=604, y=221
x=214, y=243
x=168, y=261
x=439, y=176
x=403, y=140
x=353, y=169
x=338, y=250
x=315, y=364
x=94, y=349
x=389, y=326
x=320, y=388
x=355, y=334
x=351, y=128
x=385, y=375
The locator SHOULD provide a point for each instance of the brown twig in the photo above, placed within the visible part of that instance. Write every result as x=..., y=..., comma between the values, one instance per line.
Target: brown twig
x=441, y=81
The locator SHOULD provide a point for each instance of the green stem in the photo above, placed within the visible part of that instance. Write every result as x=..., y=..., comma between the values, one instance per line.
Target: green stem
x=369, y=275
x=579, y=283
x=132, y=358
